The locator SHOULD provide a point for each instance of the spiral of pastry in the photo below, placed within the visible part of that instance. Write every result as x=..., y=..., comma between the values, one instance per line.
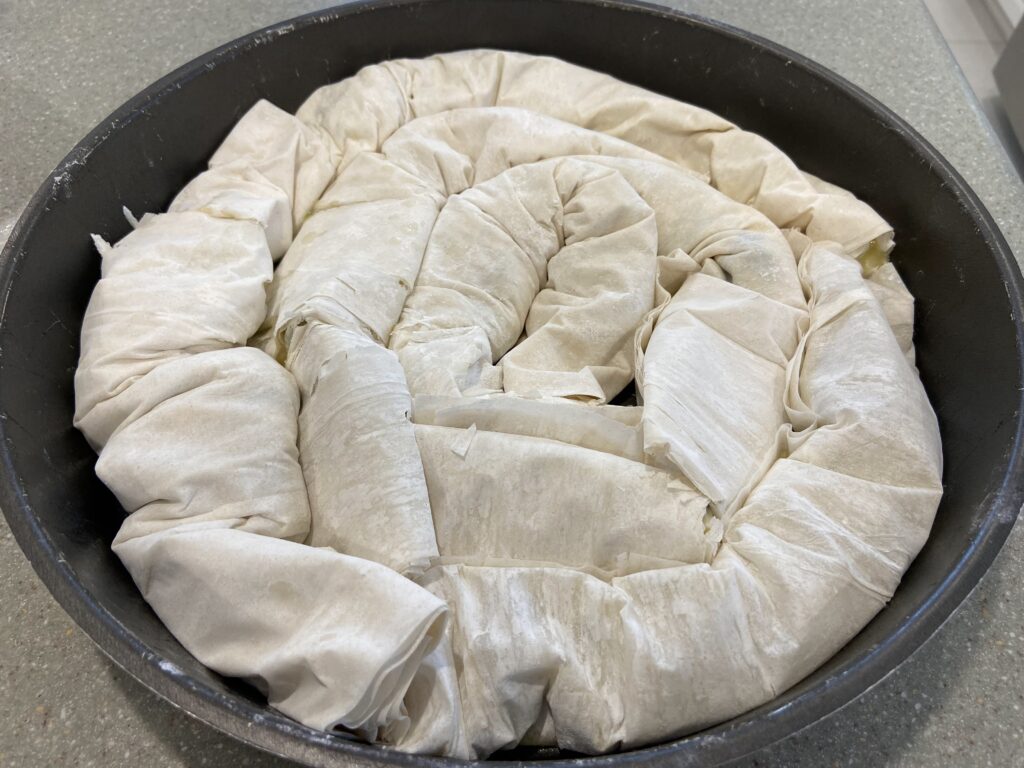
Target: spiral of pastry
x=388, y=480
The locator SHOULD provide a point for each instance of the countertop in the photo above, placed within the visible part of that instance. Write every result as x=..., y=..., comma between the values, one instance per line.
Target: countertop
x=66, y=65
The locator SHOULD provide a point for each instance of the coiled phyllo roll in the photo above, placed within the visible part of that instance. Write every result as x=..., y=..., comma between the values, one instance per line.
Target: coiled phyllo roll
x=392, y=480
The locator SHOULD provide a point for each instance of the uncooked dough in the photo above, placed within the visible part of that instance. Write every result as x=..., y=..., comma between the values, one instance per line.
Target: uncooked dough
x=388, y=480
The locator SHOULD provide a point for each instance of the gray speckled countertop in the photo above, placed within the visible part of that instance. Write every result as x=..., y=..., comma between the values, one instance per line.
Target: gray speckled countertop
x=65, y=65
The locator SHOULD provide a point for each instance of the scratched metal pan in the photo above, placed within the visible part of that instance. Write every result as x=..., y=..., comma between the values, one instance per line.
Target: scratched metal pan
x=950, y=253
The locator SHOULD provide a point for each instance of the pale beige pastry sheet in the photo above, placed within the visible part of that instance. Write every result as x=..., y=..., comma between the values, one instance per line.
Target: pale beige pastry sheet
x=199, y=443
x=407, y=509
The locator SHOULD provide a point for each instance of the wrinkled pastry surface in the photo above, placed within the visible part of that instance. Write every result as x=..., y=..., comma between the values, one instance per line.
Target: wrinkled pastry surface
x=357, y=392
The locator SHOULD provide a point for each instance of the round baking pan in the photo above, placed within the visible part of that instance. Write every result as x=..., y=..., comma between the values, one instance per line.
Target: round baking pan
x=949, y=252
